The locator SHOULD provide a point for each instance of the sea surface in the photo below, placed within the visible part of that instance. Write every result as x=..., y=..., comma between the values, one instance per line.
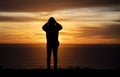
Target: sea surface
x=27, y=56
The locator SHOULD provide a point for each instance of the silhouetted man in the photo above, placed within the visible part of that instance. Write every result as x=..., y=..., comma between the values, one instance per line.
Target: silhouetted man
x=52, y=30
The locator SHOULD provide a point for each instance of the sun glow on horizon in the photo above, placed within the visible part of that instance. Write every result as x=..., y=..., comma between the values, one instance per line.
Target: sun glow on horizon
x=80, y=25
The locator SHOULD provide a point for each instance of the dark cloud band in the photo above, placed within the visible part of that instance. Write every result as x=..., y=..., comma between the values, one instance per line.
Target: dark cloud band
x=19, y=19
x=107, y=31
x=50, y=5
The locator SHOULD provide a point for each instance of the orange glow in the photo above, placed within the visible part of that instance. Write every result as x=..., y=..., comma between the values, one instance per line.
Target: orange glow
x=75, y=26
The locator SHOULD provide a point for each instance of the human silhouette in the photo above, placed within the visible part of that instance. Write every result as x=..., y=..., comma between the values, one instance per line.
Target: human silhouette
x=52, y=31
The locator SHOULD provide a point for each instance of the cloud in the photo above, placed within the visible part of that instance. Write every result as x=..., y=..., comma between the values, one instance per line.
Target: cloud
x=26, y=19
x=50, y=5
x=117, y=8
x=9, y=35
x=111, y=31
x=93, y=14
x=117, y=20
x=22, y=16
x=18, y=19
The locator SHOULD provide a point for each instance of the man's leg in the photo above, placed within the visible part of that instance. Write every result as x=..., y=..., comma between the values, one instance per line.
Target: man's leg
x=55, y=50
x=48, y=56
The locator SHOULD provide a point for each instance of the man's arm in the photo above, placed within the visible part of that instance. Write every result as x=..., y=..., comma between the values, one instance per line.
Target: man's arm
x=45, y=27
x=59, y=26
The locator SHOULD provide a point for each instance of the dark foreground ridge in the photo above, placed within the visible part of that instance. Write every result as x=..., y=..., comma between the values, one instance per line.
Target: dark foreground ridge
x=77, y=72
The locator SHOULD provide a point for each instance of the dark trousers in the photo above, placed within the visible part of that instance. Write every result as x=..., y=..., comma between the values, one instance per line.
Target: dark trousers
x=52, y=49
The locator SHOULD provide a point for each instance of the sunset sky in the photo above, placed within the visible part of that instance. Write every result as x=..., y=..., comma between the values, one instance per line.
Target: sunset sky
x=83, y=21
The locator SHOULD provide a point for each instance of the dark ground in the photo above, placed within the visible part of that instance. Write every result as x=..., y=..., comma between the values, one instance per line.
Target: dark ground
x=77, y=72
x=100, y=54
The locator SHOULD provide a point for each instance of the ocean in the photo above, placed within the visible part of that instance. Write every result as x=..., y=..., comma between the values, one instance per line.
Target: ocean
x=33, y=56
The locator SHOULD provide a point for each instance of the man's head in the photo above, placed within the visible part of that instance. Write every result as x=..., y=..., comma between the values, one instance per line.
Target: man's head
x=51, y=20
